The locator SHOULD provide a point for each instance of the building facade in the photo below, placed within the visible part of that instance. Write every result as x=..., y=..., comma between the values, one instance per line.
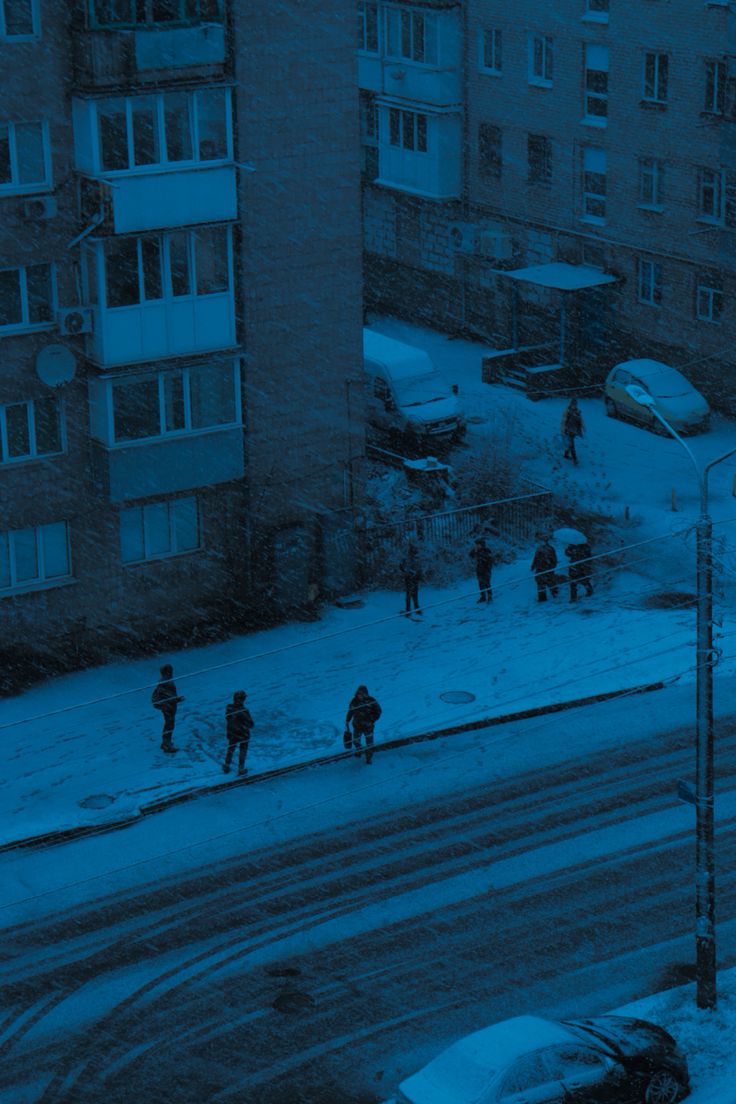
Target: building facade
x=596, y=133
x=180, y=265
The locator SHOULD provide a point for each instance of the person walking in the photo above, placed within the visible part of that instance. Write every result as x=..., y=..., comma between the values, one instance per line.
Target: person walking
x=579, y=572
x=239, y=724
x=482, y=556
x=363, y=712
x=166, y=699
x=543, y=566
x=412, y=572
x=572, y=427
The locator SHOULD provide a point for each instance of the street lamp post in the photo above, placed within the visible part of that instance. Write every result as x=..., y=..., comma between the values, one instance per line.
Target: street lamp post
x=705, y=882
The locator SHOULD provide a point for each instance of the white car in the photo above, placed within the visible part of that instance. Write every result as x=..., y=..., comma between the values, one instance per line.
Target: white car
x=672, y=395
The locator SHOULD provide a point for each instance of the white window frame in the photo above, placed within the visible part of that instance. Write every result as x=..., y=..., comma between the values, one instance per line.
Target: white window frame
x=7, y=37
x=596, y=11
x=541, y=75
x=411, y=16
x=187, y=430
x=33, y=454
x=148, y=21
x=14, y=187
x=716, y=75
x=364, y=7
x=167, y=295
x=42, y=578
x=711, y=182
x=594, y=164
x=656, y=95
x=490, y=45
x=651, y=194
x=145, y=535
x=25, y=325
x=708, y=303
x=164, y=163
x=649, y=282
x=595, y=62
x=404, y=116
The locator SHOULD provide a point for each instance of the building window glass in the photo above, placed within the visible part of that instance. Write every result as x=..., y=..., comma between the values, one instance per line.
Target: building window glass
x=710, y=195
x=36, y=555
x=709, y=302
x=368, y=26
x=27, y=296
x=408, y=129
x=177, y=401
x=29, y=429
x=651, y=182
x=25, y=162
x=656, y=77
x=715, y=87
x=164, y=128
x=154, y=267
x=490, y=151
x=596, y=83
x=369, y=134
x=490, y=50
x=541, y=60
x=411, y=35
x=597, y=9
x=159, y=529
x=649, y=282
x=539, y=158
x=133, y=13
x=18, y=18
x=594, y=184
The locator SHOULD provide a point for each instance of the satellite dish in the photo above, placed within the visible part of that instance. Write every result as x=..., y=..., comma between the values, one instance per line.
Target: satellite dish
x=55, y=364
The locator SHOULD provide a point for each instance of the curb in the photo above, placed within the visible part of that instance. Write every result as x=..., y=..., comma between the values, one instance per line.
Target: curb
x=66, y=834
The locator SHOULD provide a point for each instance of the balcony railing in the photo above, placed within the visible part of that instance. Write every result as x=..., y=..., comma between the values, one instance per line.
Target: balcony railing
x=105, y=58
x=160, y=200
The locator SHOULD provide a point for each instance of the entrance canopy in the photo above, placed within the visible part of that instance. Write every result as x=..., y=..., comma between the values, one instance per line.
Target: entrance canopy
x=560, y=276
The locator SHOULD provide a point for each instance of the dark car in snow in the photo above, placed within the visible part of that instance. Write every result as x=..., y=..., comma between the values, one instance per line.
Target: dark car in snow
x=529, y=1060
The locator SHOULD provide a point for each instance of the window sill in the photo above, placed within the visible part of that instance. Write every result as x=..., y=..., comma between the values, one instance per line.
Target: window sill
x=593, y=220
x=647, y=303
x=536, y=82
x=161, y=558
x=594, y=121
x=8, y=40
x=709, y=321
x=654, y=208
x=595, y=17
x=411, y=63
x=21, y=461
x=711, y=223
x=43, y=187
x=490, y=72
x=161, y=167
x=176, y=435
x=36, y=327
x=32, y=588
x=653, y=105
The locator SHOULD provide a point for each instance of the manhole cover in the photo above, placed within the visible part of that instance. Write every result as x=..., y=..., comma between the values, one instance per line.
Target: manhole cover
x=293, y=1000
x=96, y=801
x=283, y=971
x=457, y=697
x=670, y=599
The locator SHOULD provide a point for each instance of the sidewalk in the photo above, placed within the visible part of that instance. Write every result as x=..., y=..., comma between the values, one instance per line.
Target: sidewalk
x=100, y=764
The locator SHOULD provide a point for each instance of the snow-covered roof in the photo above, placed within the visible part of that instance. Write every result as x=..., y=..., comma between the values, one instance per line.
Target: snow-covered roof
x=561, y=276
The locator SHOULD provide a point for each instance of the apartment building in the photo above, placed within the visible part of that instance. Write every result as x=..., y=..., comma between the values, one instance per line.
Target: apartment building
x=599, y=135
x=179, y=315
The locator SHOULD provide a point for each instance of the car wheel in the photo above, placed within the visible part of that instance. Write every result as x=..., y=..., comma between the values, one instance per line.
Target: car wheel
x=611, y=408
x=663, y=1088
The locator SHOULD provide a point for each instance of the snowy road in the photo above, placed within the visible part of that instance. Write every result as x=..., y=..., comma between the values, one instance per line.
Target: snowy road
x=327, y=969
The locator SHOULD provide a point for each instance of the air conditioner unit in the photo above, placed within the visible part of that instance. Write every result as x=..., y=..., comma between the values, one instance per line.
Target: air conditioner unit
x=495, y=244
x=39, y=208
x=463, y=237
x=74, y=320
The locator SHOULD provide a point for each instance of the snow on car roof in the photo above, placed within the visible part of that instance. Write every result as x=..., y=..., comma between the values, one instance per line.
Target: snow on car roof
x=645, y=368
x=400, y=359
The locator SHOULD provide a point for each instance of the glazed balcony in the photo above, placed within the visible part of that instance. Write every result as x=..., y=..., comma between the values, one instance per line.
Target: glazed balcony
x=105, y=58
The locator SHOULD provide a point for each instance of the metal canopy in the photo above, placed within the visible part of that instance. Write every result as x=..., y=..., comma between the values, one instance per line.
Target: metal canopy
x=560, y=276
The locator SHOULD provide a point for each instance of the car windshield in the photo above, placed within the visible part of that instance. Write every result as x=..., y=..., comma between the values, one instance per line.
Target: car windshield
x=668, y=384
x=416, y=390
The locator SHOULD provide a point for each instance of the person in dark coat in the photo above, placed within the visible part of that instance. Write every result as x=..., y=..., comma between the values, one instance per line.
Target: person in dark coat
x=482, y=556
x=412, y=572
x=572, y=427
x=363, y=712
x=165, y=698
x=543, y=566
x=580, y=569
x=239, y=724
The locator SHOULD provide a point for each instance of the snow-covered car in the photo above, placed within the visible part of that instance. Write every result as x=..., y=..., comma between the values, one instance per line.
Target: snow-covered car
x=529, y=1060
x=672, y=395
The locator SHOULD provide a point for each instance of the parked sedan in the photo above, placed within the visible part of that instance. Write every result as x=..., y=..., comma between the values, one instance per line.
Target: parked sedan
x=672, y=395
x=529, y=1060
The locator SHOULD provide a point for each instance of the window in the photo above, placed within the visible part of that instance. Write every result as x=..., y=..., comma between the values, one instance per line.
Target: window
x=29, y=429
x=159, y=529
x=539, y=158
x=163, y=128
x=594, y=184
x=25, y=163
x=368, y=26
x=177, y=401
x=656, y=77
x=596, y=83
x=32, y=556
x=490, y=151
x=711, y=195
x=369, y=134
x=651, y=182
x=597, y=9
x=408, y=129
x=490, y=51
x=411, y=35
x=162, y=266
x=131, y=13
x=709, y=300
x=18, y=18
x=27, y=296
x=541, y=60
x=649, y=282
x=715, y=87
